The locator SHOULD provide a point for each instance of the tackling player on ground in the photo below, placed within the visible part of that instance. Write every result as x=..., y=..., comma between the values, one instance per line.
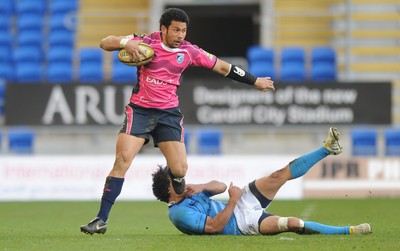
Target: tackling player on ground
x=154, y=107
x=194, y=212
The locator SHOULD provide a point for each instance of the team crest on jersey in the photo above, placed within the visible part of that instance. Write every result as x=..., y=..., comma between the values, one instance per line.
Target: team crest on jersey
x=180, y=57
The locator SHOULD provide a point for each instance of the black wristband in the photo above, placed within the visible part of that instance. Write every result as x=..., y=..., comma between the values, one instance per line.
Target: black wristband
x=238, y=74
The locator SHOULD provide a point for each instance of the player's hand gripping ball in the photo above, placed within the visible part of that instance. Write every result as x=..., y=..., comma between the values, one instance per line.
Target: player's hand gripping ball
x=126, y=57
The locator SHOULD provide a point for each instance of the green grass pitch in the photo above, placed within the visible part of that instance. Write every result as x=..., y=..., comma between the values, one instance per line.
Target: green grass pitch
x=145, y=226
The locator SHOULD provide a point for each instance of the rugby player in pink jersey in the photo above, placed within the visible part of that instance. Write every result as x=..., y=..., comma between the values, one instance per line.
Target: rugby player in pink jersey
x=153, y=109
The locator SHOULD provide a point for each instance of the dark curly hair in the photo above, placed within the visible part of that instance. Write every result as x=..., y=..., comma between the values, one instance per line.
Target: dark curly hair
x=161, y=183
x=173, y=14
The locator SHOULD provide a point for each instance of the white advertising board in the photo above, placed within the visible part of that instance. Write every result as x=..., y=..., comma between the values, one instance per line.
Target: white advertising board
x=64, y=177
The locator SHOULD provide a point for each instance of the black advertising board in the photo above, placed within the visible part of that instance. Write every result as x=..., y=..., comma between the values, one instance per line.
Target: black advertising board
x=208, y=101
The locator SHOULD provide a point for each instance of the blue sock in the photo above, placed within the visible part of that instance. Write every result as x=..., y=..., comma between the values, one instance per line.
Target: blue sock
x=311, y=226
x=301, y=165
x=112, y=188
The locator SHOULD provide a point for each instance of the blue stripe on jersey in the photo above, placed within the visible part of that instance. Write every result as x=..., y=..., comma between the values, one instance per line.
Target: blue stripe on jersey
x=190, y=214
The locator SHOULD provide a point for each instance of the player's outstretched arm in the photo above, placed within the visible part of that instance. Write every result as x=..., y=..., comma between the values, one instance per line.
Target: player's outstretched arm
x=213, y=187
x=239, y=74
x=216, y=224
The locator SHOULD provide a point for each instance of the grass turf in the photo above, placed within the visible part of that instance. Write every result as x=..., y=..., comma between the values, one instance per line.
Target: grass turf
x=145, y=226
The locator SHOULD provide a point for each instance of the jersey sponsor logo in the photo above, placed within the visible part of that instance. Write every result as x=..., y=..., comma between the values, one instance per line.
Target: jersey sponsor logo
x=209, y=55
x=155, y=81
x=180, y=57
x=239, y=71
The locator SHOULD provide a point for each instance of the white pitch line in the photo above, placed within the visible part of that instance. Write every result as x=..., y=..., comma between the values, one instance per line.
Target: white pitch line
x=308, y=212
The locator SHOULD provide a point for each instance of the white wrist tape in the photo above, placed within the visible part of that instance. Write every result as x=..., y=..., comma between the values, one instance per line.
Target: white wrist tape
x=123, y=42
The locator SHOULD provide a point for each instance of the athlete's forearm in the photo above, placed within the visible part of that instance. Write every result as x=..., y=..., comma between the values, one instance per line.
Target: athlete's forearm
x=111, y=43
x=216, y=224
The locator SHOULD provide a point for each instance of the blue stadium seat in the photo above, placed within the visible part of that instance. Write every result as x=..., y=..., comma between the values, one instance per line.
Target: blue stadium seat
x=364, y=142
x=261, y=61
x=209, y=141
x=121, y=73
x=323, y=72
x=21, y=141
x=6, y=40
x=293, y=64
x=5, y=24
x=392, y=142
x=7, y=7
x=31, y=22
x=28, y=72
x=91, y=73
x=2, y=98
x=61, y=22
x=37, y=7
x=61, y=38
x=91, y=55
x=323, y=64
x=60, y=73
x=58, y=54
x=30, y=38
x=63, y=6
x=28, y=54
x=7, y=71
x=293, y=72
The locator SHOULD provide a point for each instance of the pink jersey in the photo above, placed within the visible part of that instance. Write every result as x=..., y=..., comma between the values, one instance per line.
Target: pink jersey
x=159, y=79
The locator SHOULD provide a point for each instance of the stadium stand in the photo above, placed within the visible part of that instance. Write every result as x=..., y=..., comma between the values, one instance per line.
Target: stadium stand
x=21, y=141
x=261, y=61
x=364, y=141
x=293, y=68
x=31, y=39
x=209, y=141
x=30, y=22
x=392, y=142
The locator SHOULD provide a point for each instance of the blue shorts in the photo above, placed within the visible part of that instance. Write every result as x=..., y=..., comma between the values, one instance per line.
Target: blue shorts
x=162, y=125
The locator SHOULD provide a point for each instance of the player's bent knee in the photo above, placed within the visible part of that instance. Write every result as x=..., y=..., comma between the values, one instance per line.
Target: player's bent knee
x=283, y=224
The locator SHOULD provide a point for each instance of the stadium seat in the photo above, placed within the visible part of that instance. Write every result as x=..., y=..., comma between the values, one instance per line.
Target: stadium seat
x=91, y=73
x=121, y=73
x=21, y=141
x=293, y=72
x=30, y=38
x=61, y=22
x=61, y=38
x=90, y=55
x=7, y=7
x=60, y=73
x=392, y=142
x=209, y=141
x=323, y=64
x=5, y=24
x=7, y=71
x=27, y=54
x=261, y=61
x=37, y=7
x=6, y=40
x=28, y=72
x=293, y=64
x=31, y=22
x=58, y=54
x=364, y=142
x=323, y=72
x=2, y=98
x=63, y=6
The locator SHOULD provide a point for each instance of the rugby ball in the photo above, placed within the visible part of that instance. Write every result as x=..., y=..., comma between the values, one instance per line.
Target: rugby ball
x=126, y=58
